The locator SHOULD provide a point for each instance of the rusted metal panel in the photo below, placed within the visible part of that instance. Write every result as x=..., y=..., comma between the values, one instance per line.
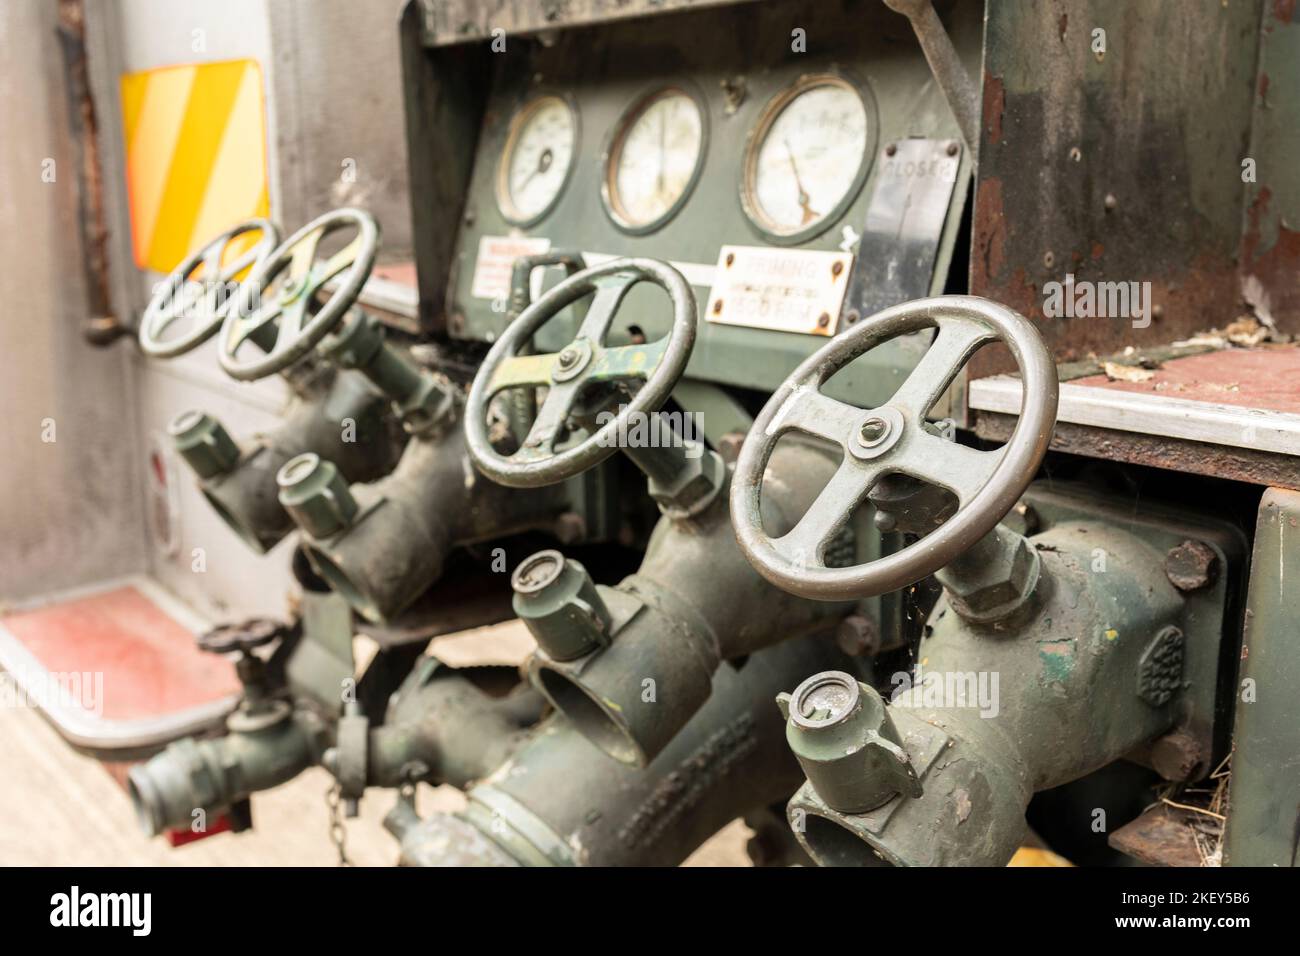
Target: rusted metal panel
x=1270, y=245
x=101, y=326
x=458, y=21
x=1115, y=165
x=1159, y=837
x=443, y=92
x=1265, y=378
x=1158, y=451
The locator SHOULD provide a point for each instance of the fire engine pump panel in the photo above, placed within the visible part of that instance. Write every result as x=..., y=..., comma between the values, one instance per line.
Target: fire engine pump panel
x=880, y=417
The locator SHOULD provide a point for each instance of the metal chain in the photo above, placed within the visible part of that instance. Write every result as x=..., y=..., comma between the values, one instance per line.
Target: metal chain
x=338, y=833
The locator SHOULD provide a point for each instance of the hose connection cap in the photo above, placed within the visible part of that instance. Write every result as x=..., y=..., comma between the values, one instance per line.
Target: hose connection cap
x=841, y=732
x=558, y=601
x=315, y=495
x=204, y=444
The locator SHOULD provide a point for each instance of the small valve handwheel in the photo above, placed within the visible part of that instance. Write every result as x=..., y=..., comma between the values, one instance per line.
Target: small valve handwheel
x=242, y=638
x=892, y=439
x=200, y=301
x=297, y=330
x=583, y=362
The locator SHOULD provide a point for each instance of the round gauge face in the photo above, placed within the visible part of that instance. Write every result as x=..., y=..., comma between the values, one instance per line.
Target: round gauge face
x=654, y=159
x=535, y=162
x=805, y=156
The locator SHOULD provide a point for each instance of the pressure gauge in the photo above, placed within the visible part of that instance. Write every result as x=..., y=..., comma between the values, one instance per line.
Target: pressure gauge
x=536, y=160
x=654, y=159
x=807, y=157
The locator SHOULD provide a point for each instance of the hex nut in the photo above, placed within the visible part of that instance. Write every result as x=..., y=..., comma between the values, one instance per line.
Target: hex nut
x=1191, y=566
x=998, y=585
x=429, y=409
x=696, y=486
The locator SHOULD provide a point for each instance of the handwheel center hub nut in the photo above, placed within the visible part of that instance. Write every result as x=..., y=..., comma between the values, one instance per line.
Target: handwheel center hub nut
x=292, y=289
x=878, y=433
x=873, y=431
x=573, y=358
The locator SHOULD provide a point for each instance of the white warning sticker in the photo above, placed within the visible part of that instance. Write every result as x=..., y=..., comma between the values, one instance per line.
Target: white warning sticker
x=786, y=290
x=496, y=257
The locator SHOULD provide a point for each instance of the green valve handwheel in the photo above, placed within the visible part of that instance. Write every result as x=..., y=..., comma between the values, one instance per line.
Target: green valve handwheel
x=201, y=290
x=263, y=302
x=583, y=362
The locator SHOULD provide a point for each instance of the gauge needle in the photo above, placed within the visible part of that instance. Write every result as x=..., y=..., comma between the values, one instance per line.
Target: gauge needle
x=543, y=164
x=804, y=201
x=663, y=153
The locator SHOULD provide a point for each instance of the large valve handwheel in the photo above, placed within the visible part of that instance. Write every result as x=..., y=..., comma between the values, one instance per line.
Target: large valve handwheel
x=892, y=439
x=296, y=330
x=583, y=362
x=200, y=291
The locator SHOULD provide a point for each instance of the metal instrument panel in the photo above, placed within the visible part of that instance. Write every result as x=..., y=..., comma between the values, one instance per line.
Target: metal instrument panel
x=734, y=64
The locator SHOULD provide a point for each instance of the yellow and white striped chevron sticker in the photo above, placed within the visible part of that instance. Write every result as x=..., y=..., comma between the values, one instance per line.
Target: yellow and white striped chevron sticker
x=195, y=156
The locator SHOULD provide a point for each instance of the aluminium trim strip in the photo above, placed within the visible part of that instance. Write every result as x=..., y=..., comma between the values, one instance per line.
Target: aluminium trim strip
x=1233, y=426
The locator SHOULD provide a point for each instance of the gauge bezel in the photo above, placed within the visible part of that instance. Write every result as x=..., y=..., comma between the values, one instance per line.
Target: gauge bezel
x=613, y=152
x=505, y=203
x=754, y=139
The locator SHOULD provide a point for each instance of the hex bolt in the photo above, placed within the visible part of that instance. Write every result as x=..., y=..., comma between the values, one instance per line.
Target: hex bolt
x=558, y=601
x=843, y=737
x=729, y=446
x=570, y=528
x=1191, y=566
x=316, y=496
x=858, y=636
x=761, y=850
x=1177, y=756
x=204, y=444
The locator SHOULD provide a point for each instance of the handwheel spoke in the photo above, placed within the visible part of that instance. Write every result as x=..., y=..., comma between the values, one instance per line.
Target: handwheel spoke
x=336, y=264
x=289, y=328
x=522, y=371
x=243, y=262
x=188, y=293
x=804, y=544
x=957, y=341
x=244, y=327
x=604, y=306
x=212, y=257
x=959, y=468
x=625, y=362
x=303, y=256
x=808, y=410
x=549, y=423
